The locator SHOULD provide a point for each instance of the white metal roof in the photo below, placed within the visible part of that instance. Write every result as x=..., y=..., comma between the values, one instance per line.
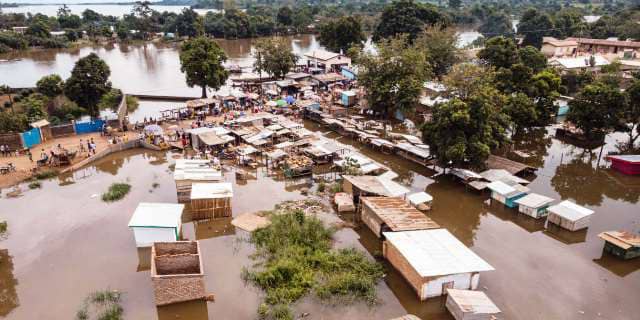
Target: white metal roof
x=471, y=301
x=197, y=174
x=247, y=150
x=534, y=200
x=211, y=190
x=579, y=62
x=419, y=197
x=502, y=188
x=192, y=164
x=570, y=210
x=436, y=252
x=502, y=175
x=161, y=215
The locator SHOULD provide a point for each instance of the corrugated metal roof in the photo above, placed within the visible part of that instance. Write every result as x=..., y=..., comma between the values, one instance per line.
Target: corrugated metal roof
x=534, y=200
x=211, y=190
x=502, y=188
x=502, y=175
x=436, y=252
x=570, y=210
x=622, y=239
x=377, y=185
x=162, y=215
x=419, y=198
x=209, y=174
x=470, y=301
x=398, y=215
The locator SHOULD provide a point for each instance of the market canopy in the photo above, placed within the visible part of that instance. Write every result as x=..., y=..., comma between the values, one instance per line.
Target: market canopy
x=153, y=130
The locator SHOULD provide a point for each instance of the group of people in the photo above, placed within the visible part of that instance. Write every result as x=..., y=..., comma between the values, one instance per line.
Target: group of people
x=90, y=149
x=5, y=151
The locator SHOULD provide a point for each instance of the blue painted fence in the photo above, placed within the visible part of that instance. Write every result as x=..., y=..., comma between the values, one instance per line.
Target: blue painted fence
x=89, y=126
x=31, y=137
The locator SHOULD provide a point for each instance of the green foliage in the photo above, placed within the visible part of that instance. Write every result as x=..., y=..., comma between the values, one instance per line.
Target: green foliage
x=597, y=109
x=38, y=28
x=101, y=305
x=35, y=185
x=341, y=34
x=522, y=111
x=532, y=58
x=189, y=23
x=406, y=17
x=322, y=186
x=34, y=107
x=89, y=80
x=110, y=100
x=497, y=24
x=295, y=258
x=201, y=61
x=46, y=174
x=116, y=192
x=3, y=228
x=284, y=16
x=440, y=47
x=533, y=26
x=13, y=122
x=499, y=52
x=274, y=57
x=13, y=40
x=630, y=120
x=50, y=85
x=393, y=77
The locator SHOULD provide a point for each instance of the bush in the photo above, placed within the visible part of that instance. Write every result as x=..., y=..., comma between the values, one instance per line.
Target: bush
x=116, y=192
x=35, y=185
x=46, y=174
x=103, y=305
x=13, y=40
x=3, y=227
x=110, y=100
x=321, y=186
x=336, y=187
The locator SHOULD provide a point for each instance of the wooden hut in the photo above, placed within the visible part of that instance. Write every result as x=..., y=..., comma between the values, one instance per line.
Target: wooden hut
x=433, y=261
x=621, y=244
x=513, y=167
x=188, y=172
x=382, y=214
x=176, y=272
x=156, y=222
x=211, y=200
x=470, y=305
x=627, y=164
x=507, y=194
x=534, y=205
x=413, y=153
x=569, y=215
x=374, y=186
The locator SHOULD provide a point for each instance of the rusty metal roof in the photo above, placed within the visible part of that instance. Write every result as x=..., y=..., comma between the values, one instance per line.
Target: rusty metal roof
x=622, y=239
x=398, y=215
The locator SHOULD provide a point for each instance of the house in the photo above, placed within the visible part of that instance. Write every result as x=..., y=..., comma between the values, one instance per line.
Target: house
x=326, y=60
x=210, y=200
x=627, y=164
x=374, y=186
x=552, y=47
x=470, y=305
x=433, y=261
x=177, y=274
x=621, y=244
x=189, y=171
x=534, y=205
x=20, y=30
x=156, y=222
x=349, y=72
x=569, y=215
x=384, y=214
x=507, y=194
x=592, y=63
x=610, y=48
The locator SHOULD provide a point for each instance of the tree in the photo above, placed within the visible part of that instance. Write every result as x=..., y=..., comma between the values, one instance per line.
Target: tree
x=34, y=107
x=276, y=58
x=522, y=111
x=285, y=16
x=89, y=80
x=406, y=17
x=465, y=132
x=13, y=122
x=544, y=90
x=466, y=79
x=499, y=52
x=596, y=109
x=201, y=61
x=39, y=28
x=532, y=58
x=394, y=77
x=533, y=26
x=142, y=11
x=50, y=85
x=631, y=115
x=497, y=23
x=189, y=23
x=341, y=34
x=440, y=46
x=455, y=4
x=570, y=23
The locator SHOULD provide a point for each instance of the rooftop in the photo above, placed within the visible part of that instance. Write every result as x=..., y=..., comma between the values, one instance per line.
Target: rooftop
x=211, y=190
x=436, y=252
x=398, y=215
x=534, y=200
x=377, y=185
x=622, y=239
x=570, y=210
x=578, y=62
x=606, y=42
x=160, y=215
x=475, y=302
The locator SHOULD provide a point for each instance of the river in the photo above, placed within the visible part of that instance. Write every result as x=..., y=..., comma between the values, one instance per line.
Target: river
x=64, y=242
x=104, y=9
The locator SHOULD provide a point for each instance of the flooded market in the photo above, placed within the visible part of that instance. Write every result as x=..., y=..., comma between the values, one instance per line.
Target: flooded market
x=65, y=242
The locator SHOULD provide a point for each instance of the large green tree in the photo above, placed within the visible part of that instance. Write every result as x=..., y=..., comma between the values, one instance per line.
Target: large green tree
x=496, y=24
x=394, y=77
x=189, y=23
x=201, y=61
x=533, y=26
x=341, y=34
x=597, y=109
x=440, y=47
x=89, y=80
x=631, y=115
x=275, y=57
x=406, y=17
x=51, y=85
x=499, y=52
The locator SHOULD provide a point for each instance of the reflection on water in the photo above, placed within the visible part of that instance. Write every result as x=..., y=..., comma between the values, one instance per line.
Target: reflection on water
x=619, y=267
x=144, y=259
x=565, y=236
x=192, y=310
x=8, y=283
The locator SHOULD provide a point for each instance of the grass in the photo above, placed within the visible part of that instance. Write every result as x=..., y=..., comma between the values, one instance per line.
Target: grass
x=45, y=174
x=35, y=185
x=295, y=259
x=322, y=186
x=101, y=305
x=116, y=192
x=336, y=187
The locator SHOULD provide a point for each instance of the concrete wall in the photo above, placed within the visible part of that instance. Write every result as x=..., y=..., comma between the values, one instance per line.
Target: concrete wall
x=109, y=150
x=433, y=287
x=145, y=237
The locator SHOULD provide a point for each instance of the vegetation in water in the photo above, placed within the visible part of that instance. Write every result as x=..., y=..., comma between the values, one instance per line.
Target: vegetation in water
x=35, y=185
x=322, y=186
x=295, y=259
x=4, y=227
x=116, y=192
x=46, y=174
x=336, y=187
x=101, y=305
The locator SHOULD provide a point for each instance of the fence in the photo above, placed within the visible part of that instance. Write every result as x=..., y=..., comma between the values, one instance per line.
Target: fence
x=13, y=140
x=122, y=111
x=63, y=130
x=109, y=150
x=31, y=138
x=89, y=126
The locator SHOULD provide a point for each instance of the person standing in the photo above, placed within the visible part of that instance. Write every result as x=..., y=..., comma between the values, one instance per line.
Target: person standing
x=2, y=149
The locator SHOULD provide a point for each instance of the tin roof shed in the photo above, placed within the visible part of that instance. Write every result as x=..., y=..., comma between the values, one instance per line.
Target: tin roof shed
x=570, y=211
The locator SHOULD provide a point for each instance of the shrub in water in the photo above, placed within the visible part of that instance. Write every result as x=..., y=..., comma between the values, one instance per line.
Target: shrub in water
x=116, y=192
x=102, y=305
x=46, y=174
x=35, y=185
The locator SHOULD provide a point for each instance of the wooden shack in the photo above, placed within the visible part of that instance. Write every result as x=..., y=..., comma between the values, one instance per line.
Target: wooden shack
x=433, y=261
x=513, y=167
x=470, y=305
x=534, y=205
x=569, y=215
x=383, y=214
x=188, y=172
x=211, y=200
x=373, y=186
x=176, y=272
x=156, y=222
x=507, y=194
x=621, y=244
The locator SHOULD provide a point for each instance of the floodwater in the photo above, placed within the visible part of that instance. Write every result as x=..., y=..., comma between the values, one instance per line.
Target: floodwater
x=105, y=9
x=64, y=242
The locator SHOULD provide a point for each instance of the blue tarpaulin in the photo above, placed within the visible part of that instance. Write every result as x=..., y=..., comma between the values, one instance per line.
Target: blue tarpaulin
x=89, y=126
x=31, y=137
